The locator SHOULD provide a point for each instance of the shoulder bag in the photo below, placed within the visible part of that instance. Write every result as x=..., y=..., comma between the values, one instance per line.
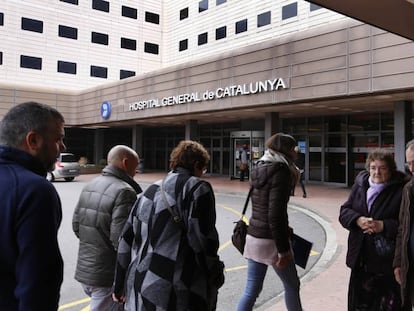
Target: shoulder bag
x=238, y=237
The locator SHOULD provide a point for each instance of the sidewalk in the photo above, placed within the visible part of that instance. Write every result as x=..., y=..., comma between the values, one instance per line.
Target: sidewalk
x=324, y=287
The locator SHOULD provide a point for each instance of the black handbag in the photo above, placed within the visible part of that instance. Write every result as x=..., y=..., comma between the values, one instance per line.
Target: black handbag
x=383, y=246
x=238, y=237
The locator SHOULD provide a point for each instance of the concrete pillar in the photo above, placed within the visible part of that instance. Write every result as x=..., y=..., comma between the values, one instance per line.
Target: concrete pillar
x=191, y=130
x=402, y=130
x=272, y=124
x=99, y=144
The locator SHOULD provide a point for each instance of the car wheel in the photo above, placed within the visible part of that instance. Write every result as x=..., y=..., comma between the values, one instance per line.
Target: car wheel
x=50, y=177
x=69, y=178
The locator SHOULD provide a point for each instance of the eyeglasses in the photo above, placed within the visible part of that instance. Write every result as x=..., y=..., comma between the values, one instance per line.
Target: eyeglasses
x=409, y=163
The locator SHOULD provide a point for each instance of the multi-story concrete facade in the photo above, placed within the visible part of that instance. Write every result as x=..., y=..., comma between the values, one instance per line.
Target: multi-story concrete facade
x=339, y=86
x=75, y=44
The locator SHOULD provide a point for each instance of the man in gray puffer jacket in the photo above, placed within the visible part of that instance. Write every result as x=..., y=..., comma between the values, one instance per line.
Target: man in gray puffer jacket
x=98, y=220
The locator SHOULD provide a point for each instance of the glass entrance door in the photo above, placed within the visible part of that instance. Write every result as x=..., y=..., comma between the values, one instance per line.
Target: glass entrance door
x=239, y=144
x=253, y=141
x=315, y=158
x=335, y=158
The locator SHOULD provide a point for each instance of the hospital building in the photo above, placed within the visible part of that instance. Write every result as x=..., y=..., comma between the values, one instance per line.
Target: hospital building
x=227, y=73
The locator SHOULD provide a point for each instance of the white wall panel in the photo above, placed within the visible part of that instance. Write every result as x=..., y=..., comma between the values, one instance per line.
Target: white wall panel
x=167, y=35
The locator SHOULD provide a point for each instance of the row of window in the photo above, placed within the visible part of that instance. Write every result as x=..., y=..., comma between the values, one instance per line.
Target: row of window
x=203, y=6
x=32, y=62
x=127, y=11
x=102, y=5
x=263, y=19
x=96, y=37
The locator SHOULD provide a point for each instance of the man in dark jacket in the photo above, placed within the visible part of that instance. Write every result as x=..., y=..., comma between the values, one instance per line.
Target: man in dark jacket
x=31, y=266
x=98, y=220
x=404, y=248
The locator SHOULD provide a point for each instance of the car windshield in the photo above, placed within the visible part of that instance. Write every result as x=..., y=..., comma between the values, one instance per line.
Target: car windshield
x=68, y=158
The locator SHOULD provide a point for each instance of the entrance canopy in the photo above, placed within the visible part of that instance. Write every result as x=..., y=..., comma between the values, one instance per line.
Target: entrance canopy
x=396, y=16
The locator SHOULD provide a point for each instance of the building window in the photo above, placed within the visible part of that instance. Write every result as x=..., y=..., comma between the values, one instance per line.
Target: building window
x=183, y=45
x=123, y=74
x=183, y=14
x=30, y=62
x=32, y=25
x=151, y=48
x=99, y=72
x=129, y=44
x=66, y=67
x=152, y=18
x=314, y=7
x=221, y=32
x=129, y=12
x=202, y=6
x=1, y=19
x=99, y=38
x=218, y=2
x=263, y=19
x=241, y=26
x=1, y=58
x=290, y=10
x=71, y=1
x=202, y=38
x=100, y=5
x=68, y=32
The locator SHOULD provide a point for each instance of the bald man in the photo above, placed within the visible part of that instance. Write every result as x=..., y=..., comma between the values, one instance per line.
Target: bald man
x=100, y=215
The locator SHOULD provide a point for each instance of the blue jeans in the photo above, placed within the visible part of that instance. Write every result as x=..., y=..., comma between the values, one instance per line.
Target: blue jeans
x=101, y=298
x=256, y=273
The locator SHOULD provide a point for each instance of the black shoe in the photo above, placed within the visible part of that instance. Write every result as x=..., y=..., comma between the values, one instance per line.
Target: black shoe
x=304, y=195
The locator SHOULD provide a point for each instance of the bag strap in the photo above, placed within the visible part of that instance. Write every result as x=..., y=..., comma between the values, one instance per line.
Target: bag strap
x=247, y=201
x=177, y=219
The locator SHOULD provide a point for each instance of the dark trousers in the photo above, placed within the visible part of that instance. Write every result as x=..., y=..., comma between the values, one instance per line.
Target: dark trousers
x=243, y=174
x=302, y=185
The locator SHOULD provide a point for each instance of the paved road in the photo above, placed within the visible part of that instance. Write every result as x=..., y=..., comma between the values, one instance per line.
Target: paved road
x=228, y=209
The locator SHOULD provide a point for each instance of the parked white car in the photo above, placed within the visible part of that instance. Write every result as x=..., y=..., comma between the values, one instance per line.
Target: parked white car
x=66, y=167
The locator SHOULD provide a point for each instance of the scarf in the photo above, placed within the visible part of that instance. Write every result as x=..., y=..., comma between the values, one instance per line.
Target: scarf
x=273, y=156
x=373, y=191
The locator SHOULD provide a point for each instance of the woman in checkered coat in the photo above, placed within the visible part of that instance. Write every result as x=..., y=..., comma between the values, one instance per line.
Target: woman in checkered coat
x=167, y=255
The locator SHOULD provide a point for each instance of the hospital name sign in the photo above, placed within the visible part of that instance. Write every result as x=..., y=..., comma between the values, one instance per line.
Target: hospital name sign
x=221, y=92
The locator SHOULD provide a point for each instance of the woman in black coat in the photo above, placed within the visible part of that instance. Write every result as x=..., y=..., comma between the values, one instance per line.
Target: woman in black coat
x=371, y=216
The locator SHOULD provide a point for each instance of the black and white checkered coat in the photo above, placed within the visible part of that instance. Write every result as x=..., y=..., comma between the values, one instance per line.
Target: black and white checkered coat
x=164, y=265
